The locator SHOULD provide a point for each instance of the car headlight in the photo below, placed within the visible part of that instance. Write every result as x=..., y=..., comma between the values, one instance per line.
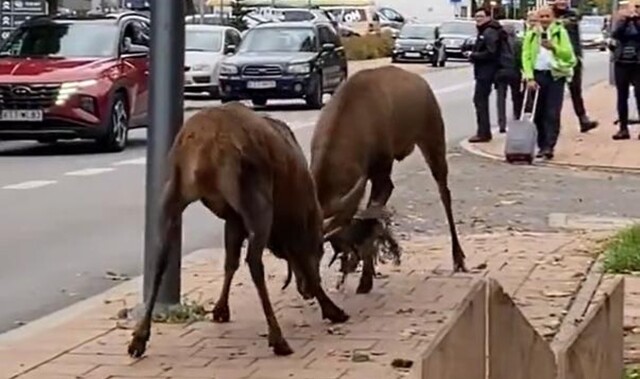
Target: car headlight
x=201, y=67
x=299, y=68
x=429, y=46
x=70, y=88
x=397, y=46
x=227, y=69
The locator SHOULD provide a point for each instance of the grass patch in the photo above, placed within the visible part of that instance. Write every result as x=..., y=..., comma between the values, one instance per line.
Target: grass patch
x=185, y=313
x=622, y=252
x=631, y=373
x=370, y=46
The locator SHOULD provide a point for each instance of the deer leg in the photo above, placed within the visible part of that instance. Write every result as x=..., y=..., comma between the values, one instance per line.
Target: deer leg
x=367, y=250
x=257, y=214
x=172, y=207
x=234, y=234
x=437, y=160
x=381, y=184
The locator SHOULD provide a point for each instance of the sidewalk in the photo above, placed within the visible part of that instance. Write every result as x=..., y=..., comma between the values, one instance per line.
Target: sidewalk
x=594, y=149
x=398, y=319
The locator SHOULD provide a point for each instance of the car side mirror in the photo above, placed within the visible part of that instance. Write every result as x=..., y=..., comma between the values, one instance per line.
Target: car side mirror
x=328, y=47
x=230, y=49
x=135, y=50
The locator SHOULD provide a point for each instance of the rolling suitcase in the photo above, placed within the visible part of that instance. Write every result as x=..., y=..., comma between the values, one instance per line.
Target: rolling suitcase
x=522, y=135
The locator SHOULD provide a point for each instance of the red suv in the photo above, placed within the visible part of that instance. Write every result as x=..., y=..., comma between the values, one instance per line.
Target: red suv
x=68, y=78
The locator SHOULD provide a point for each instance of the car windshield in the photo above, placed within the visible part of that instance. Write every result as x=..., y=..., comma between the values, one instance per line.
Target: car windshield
x=465, y=28
x=296, y=15
x=203, y=40
x=63, y=40
x=591, y=28
x=279, y=40
x=417, y=31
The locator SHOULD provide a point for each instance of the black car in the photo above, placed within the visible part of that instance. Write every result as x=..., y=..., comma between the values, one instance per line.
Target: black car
x=419, y=42
x=458, y=37
x=285, y=60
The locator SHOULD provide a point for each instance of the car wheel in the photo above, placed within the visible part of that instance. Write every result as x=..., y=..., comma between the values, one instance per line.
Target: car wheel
x=259, y=101
x=314, y=98
x=117, y=133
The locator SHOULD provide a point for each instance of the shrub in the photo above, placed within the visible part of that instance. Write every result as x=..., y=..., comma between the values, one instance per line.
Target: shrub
x=370, y=46
x=622, y=252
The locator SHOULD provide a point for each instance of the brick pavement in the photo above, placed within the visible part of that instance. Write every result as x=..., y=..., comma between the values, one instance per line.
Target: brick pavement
x=398, y=319
x=595, y=149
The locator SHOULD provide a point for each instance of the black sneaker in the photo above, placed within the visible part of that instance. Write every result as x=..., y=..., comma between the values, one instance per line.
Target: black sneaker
x=587, y=125
x=622, y=134
x=479, y=139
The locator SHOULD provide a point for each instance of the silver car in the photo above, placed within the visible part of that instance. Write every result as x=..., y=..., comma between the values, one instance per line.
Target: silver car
x=205, y=46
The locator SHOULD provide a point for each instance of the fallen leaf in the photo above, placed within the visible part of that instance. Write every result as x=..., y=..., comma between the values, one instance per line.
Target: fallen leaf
x=360, y=357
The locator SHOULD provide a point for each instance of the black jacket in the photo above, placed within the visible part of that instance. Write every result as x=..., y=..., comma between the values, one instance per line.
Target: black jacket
x=627, y=42
x=571, y=20
x=485, y=55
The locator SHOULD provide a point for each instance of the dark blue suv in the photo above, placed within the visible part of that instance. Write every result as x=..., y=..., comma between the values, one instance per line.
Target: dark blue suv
x=285, y=60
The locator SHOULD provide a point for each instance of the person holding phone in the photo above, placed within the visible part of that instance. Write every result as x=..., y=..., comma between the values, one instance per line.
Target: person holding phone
x=547, y=63
x=626, y=57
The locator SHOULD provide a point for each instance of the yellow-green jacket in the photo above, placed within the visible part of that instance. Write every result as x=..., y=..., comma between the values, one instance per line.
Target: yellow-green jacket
x=564, y=58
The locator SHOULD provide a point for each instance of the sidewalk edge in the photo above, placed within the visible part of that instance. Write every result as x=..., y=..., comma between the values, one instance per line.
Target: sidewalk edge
x=68, y=313
x=465, y=145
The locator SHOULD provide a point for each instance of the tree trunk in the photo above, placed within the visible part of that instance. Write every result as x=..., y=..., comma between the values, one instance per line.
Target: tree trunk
x=53, y=6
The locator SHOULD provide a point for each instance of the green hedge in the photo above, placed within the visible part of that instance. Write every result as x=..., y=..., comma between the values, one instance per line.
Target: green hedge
x=371, y=46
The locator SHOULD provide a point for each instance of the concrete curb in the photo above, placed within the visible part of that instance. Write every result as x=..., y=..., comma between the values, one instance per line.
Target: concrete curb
x=464, y=144
x=66, y=314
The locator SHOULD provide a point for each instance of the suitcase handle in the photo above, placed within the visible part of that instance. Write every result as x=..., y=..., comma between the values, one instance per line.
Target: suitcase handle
x=524, y=103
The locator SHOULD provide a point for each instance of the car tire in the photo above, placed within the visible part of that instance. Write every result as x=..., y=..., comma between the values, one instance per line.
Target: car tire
x=259, y=101
x=117, y=134
x=394, y=60
x=314, y=98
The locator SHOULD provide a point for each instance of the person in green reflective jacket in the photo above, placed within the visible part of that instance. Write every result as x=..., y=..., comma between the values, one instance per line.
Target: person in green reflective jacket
x=548, y=60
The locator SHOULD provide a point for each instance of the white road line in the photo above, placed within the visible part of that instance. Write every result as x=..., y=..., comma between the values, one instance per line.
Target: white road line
x=29, y=185
x=89, y=171
x=136, y=161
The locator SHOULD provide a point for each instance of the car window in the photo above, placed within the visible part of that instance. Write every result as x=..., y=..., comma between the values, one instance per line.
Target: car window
x=334, y=38
x=234, y=38
x=323, y=35
x=391, y=14
x=454, y=27
x=63, y=40
x=203, y=40
x=138, y=32
x=285, y=39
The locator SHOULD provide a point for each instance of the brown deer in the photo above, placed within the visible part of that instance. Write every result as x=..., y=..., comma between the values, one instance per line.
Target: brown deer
x=377, y=116
x=250, y=171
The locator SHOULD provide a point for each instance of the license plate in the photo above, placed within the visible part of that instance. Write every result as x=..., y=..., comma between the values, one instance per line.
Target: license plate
x=21, y=115
x=263, y=84
x=412, y=55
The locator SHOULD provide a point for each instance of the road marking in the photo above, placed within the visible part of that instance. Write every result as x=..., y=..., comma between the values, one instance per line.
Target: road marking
x=89, y=171
x=136, y=161
x=29, y=185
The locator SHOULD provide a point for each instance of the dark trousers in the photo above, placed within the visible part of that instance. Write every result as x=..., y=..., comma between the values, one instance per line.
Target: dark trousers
x=481, y=102
x=515, y=86
x=575, y=88
x=547, y=116
x=626, y=75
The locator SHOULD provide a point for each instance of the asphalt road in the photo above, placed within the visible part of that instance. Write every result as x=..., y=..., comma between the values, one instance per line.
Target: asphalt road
x=69, y=216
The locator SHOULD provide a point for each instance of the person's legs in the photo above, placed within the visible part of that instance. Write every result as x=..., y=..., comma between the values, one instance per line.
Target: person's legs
x=516, y=97
x=552, y=112
x=622, y=76
x=636, y=87
x=575, y=88
x=481, y=102
x=538, y=112
x=501, y=100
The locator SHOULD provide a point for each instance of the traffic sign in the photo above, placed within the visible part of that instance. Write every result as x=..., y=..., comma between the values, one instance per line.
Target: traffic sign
x=15, y=12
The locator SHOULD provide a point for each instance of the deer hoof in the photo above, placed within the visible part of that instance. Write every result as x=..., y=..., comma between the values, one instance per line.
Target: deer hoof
x=281, y=348
x=137, y=347
x=365, y=286
x=221, y=314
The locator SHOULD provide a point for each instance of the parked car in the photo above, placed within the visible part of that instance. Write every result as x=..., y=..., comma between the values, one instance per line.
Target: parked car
x=391, y=17
x=250, y=20
x=458, y=37
x=592, y=36
x=362, y=20
x=518, y=25
x=205, y=46
x=285, y=60
x=420, y=42
x=75, y=77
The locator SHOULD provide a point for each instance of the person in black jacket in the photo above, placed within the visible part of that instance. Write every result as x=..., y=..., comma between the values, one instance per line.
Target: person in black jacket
x=626, y=33
x=571, y=20
x=512, y=81
x=486, y=63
